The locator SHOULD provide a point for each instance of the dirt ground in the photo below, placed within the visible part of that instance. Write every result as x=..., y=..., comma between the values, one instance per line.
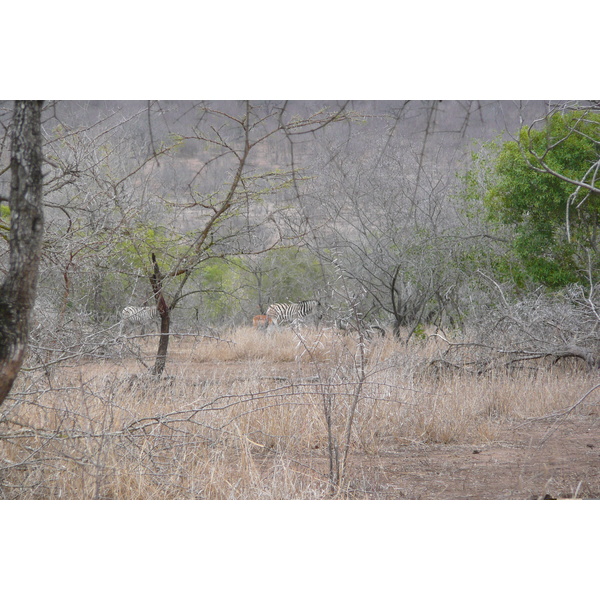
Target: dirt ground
x=549, y=458
x=535, y=460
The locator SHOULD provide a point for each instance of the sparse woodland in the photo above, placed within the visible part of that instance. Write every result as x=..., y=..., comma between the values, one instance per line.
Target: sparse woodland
x=452, y=246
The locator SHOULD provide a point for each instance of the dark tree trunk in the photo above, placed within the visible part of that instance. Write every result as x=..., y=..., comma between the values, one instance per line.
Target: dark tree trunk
x=17, y=292
x=165, y=320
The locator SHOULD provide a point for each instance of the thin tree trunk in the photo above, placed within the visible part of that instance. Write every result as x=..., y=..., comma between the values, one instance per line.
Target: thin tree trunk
x=165, y=320
x=17, y=292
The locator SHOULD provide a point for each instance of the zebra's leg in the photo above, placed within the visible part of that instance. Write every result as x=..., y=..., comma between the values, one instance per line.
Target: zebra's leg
x=124, y=327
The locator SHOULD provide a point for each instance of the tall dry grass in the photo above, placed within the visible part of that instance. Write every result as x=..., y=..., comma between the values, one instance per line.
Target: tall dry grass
x=251, y=415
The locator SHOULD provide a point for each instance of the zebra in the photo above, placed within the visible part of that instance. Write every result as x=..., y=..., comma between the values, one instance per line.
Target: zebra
x=292, y=312
x=132, y=316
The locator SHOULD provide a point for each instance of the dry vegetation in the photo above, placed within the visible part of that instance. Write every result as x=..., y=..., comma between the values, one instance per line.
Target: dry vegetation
x=245, y=416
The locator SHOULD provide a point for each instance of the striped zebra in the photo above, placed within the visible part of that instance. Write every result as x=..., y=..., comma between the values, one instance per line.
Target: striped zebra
x=293, y=312
x=138, y=316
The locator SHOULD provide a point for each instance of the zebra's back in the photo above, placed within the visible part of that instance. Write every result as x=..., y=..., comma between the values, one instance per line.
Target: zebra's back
x=138, y=316
x=291, y=312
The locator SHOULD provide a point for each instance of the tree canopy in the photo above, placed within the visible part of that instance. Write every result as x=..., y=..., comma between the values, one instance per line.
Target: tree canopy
x=540, y=185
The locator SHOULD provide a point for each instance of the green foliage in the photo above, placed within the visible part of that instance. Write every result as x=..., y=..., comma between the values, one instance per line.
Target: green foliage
x=295, y=274
x=232, y=289
x=420, y=333
x=481, y=177
x=4, y=221
x=140, y=241
x=219, y=286
x=519, y=191
x=285, y=274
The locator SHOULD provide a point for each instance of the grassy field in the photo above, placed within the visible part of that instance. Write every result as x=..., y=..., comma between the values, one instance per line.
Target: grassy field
x=297, y=415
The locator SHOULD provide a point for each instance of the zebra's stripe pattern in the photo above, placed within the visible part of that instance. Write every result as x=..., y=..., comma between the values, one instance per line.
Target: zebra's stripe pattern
x=138, y=315
x=292, y=312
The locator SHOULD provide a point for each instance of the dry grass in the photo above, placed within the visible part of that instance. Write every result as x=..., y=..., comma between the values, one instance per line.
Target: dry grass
x=243, y=416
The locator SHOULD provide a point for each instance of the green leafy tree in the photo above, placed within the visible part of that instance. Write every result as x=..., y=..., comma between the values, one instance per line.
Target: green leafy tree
x=536, y=186
x=220, y=287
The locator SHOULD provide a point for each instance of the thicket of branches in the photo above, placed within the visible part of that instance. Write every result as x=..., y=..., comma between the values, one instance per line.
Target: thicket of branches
x=212, y=211
x=245, y=204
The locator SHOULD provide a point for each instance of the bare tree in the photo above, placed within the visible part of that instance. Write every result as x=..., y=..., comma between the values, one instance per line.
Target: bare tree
x=18, y=290
x=390, y=234
x=96, y=194
x=229, y=217
x=131, y=195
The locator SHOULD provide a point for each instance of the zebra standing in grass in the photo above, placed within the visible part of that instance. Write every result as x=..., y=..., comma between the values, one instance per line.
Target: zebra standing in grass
x=293, y=312
x=141, y=316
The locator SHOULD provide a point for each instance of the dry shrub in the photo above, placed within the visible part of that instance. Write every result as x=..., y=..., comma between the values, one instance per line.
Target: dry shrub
x=242, y=416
